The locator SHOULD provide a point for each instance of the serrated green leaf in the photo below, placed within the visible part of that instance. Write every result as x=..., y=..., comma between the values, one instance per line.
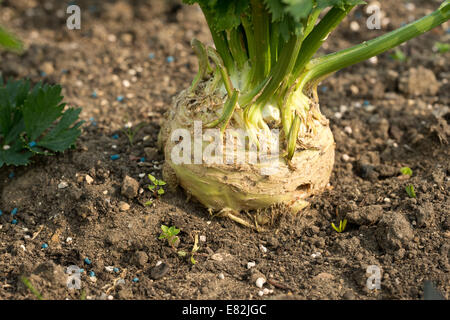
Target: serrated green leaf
x=32, y=116
x=298, y=9
x=62, y=136
x=15, y=155
x=42, y=107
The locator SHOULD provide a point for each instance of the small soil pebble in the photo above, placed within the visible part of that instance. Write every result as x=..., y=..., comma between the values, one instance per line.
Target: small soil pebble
x=123, y=206
x=130, y=187
x=159, y=271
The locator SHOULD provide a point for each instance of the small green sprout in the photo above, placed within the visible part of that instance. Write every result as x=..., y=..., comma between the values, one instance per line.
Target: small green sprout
x=442, y=47
x=148, y=203
x=342, y=225
x=9, y=41
x=194, y=249
x=157, y=186
x=398, y=55
x=130, y=132
x=170, y=234
x=406, y=171
x=410, y=191
x=33, y=290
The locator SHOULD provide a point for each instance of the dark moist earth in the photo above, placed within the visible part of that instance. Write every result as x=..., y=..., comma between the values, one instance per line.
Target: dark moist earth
x=385, y=115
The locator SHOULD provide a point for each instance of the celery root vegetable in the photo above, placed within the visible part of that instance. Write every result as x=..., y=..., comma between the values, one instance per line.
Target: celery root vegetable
x=262, y=76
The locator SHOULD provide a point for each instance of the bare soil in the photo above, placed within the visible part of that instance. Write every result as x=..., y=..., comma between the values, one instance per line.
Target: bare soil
x=384, y=114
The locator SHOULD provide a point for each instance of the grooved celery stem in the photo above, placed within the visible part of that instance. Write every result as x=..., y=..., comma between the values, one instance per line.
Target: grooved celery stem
x=249, y=35
x=237, y=49
x=292, y=137
x=274, y=40
x=228, y=109
x=282, y=69
x=260, y=20
x=203, y=63
x=223, y=70
x=220, y=43
x=316, y=38
x=320, y=67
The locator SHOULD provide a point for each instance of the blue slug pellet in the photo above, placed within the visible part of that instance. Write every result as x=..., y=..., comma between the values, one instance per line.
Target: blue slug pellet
x=115, y=157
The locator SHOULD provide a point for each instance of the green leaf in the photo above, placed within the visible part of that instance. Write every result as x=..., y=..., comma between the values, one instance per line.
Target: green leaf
x=406, y=171
x=42, y=107
x=160, y=183
x=334, y=227
x=298, y=9
x=165, y=229
x=442, y=47
x=398, y=55
x=174, y=231
x=9, y=41
x=15, y=155
x=410, y=191
x=161, y=191
x=152, y=178
x=338, y=3
x=62, y=136
x=344, y=224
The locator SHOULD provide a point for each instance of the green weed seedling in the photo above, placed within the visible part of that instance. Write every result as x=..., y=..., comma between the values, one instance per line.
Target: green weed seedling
x=194, y=250
x=406, y=171
x=9, y=41
x=131, y=133
x=170, y=234
x=30, y=287
x=342, y=225
x=410, y=191
x=157, y=186
x=398, y=55
x=442, y=47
